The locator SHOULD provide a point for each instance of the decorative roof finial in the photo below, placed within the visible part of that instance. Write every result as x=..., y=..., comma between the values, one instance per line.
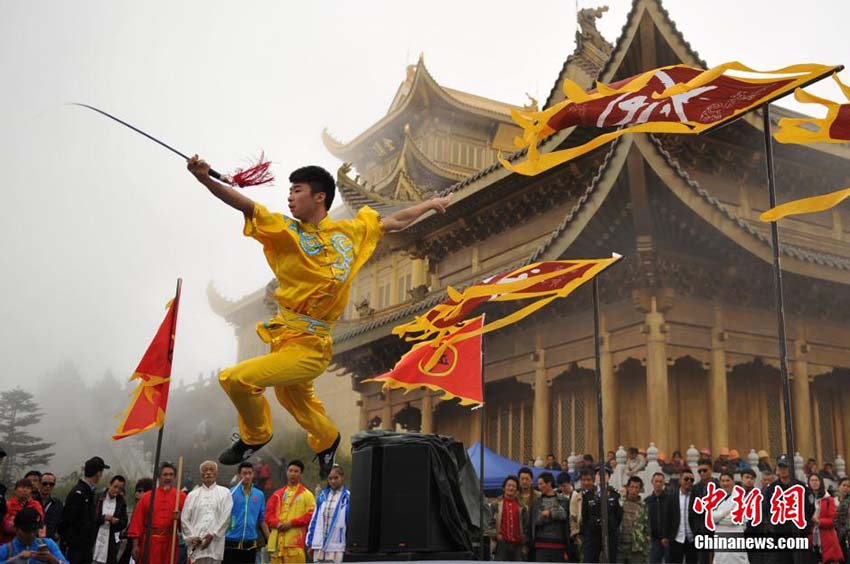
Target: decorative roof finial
x=587, y=22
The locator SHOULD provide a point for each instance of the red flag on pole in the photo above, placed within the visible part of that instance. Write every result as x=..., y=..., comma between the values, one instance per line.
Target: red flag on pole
x=150, y=398
x=457, y=373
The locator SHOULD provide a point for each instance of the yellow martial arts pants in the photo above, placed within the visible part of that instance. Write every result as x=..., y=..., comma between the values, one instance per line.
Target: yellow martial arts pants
x=290, y=555
x=295, y=361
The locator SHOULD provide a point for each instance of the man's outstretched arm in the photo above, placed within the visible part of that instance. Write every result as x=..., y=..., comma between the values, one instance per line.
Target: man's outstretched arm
x=223, y=192
x=401, y=219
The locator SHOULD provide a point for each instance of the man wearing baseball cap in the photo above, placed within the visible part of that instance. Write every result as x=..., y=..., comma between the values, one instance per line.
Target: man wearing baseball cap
x=78, y=526
x=785, y=479
x=26, y=547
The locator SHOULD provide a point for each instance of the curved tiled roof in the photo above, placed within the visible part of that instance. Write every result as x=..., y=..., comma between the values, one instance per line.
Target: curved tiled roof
x=422, y=79
x=792, y=251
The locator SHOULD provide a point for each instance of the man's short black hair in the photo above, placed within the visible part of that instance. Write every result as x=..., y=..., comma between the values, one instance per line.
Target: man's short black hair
x=319, y=180
x=165, y=465
x=117, y=478
x=547, y=477
x=525, y=470
x=585, y=472
x=244, y=464
x=33, y=473
x=748, y=472
x=563, y=478
x=588, y=458
x=297, y=463
x=635, y=480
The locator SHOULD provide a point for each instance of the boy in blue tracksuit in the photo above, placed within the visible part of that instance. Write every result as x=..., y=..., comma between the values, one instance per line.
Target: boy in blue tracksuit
x=247, y=519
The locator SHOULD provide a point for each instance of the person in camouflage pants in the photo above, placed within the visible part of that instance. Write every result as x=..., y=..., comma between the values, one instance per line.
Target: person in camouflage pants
x=634, y=538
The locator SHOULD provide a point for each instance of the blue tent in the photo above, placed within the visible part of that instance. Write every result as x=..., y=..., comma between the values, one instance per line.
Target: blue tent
x=496, y=468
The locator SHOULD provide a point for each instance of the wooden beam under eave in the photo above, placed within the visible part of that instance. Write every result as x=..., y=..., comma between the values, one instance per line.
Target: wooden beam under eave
x=648, y=56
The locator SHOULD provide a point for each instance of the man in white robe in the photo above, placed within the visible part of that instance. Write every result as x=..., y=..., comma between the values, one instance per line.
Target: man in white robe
x=206, y=517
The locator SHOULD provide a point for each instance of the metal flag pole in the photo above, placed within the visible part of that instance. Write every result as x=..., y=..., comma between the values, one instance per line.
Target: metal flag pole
x=481, y=420
x=777, y=287
x=146, y=551
x=600, y=426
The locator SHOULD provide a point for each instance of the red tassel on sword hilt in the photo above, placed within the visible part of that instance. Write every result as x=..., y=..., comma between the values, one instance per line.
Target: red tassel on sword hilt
x=255, y=175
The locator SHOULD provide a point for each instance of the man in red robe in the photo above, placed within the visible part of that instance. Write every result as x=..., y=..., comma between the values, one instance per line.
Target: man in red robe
x=164, y=517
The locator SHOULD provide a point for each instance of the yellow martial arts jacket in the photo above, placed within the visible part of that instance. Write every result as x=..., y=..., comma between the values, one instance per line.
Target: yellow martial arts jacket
x=289, y=504
x=313, y=264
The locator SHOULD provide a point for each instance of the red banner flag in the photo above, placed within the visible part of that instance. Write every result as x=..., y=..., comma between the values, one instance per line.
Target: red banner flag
x=456, y=373
x=671, y=99
x=541, y=282
x=150, y=398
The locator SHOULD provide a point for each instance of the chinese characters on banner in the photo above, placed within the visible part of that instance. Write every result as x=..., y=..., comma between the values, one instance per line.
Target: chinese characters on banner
x=785, y=506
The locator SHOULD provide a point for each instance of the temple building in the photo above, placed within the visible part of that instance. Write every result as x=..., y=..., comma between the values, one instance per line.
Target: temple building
x=690, y=353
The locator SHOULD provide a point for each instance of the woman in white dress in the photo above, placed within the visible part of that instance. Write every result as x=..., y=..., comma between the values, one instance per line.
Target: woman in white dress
x=723, y=524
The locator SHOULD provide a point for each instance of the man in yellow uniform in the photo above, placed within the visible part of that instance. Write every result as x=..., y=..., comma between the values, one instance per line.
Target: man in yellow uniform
x=314, y=259
x=288, y=514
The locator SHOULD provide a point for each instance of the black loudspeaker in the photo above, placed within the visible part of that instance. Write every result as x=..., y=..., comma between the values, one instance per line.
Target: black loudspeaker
x=395, y=506
x=363, y=520
x=410, y=504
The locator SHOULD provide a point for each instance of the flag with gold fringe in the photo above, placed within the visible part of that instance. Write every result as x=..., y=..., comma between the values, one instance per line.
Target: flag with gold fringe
x=457, y=372
x=150, y=399
x=539, y=283
x=670, y=99
x=834, y=128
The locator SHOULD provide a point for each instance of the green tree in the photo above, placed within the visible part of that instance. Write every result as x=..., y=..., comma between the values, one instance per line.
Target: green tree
x=18, y=411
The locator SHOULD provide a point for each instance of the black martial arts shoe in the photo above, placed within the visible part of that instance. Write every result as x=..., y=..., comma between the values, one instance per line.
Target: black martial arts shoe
x=326, y=459
x=239, y=451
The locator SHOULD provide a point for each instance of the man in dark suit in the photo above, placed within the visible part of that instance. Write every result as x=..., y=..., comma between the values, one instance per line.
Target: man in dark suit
x=680, y=522
x=700, y=489
x=656, y=502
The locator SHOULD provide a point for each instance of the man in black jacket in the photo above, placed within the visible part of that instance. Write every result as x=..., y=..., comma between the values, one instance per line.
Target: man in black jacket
x=700, y=489
x=52, y=506
x=590, y=518
x=656, y=502
x=681, y=522
x=78, y=526
x=785, y=481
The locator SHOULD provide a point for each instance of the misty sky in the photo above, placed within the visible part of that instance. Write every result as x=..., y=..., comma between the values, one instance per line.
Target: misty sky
x=97, y=223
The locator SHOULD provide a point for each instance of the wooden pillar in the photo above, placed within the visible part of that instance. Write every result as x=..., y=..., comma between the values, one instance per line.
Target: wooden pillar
x=816, y=417
x=801, y=402
x=718, y=395
x=363, y=423
x=610, y=393
x=427, y=412
x=418, y=272
x=387, y=412
x=837, y=421
x=541, y=440
x=394, y=298
x=657, y=382
x=475, y=430
x=845, y=422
